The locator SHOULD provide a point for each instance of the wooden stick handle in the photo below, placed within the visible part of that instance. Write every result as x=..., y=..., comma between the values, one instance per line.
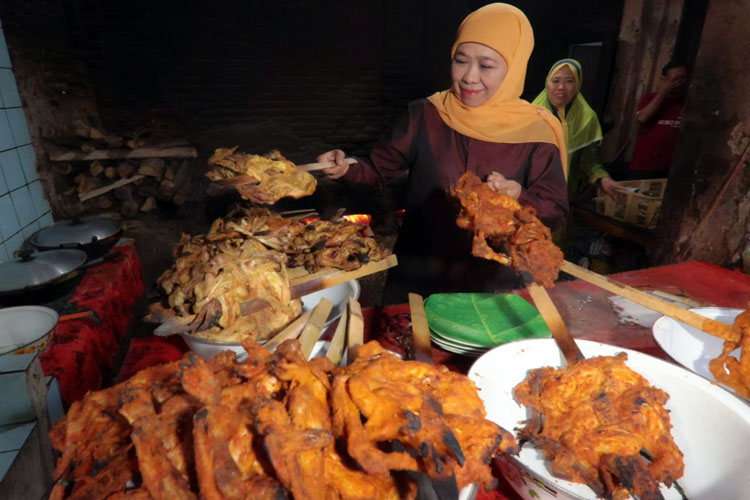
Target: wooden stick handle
x=688, y=317
x=322, y=165
x=554, y=321
x=305, y=285
x=311, y=332
x=355, y=328
x=420, y=328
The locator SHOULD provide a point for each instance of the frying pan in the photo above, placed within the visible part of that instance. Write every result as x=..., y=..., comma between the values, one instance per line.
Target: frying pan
x=42, y=277
x=94, y=236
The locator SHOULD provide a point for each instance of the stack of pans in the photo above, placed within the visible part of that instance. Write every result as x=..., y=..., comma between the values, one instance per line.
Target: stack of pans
x=54, y=259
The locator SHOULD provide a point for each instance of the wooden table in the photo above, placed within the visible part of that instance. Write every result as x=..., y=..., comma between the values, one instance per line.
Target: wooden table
x=586, y=215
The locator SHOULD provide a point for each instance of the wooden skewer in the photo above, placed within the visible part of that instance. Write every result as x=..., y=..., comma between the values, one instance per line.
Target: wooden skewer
x=554, y=321
x=710, y=326
x=322, y=165
x=305, y=285
x=420, y=328
x=291, y=331
x=355, y=330
x=336, y=349
x=314, y=326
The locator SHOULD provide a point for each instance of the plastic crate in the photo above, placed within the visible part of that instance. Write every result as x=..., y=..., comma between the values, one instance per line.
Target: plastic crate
x=641, y=206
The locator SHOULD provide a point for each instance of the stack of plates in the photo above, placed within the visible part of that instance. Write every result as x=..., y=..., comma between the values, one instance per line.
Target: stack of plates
x=472, y=323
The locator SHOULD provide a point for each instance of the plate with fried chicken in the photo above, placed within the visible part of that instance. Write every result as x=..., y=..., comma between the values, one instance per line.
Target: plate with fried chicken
x=614, y=425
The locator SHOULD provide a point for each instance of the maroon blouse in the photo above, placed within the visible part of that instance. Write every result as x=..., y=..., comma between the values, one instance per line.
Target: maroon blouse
x=434, y=156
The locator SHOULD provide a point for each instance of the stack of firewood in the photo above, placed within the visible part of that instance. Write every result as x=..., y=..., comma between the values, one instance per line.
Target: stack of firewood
x=97, y=171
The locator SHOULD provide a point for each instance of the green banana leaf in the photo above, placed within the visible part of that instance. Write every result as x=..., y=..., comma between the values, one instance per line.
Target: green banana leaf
x=484, y=319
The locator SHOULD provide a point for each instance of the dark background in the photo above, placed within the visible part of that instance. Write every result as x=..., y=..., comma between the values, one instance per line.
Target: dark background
x=302, y=76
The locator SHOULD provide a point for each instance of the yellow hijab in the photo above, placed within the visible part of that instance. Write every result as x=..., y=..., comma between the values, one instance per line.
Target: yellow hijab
x=505, y=117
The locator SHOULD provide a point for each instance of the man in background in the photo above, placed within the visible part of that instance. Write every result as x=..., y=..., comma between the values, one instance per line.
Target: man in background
x=659, y=114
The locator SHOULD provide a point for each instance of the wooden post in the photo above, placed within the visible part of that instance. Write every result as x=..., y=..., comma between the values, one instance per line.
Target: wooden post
x=709, y=176
x=648, y=32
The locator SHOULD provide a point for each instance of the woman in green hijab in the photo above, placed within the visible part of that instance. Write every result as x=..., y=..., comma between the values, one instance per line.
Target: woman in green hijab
x=583, y=134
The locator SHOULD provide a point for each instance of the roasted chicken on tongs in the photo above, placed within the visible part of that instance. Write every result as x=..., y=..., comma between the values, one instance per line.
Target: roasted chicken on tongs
x=500, y=223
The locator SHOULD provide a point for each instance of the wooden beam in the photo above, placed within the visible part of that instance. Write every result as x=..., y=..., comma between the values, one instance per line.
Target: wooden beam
x=109, y=187
x=120, y=154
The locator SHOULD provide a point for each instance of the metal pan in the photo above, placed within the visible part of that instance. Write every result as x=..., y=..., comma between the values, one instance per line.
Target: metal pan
x=42, y=277
x=93, y=236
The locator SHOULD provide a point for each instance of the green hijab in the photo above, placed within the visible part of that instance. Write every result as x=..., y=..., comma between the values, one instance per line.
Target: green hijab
x=579, y=121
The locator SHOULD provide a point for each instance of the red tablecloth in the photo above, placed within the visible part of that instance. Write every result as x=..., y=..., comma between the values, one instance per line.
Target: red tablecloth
x=82, y=351
x=584, y=308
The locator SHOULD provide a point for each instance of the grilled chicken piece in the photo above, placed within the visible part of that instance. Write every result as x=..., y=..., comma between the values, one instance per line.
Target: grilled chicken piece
x=500, y=222
x=593, y=421
x=261, y=179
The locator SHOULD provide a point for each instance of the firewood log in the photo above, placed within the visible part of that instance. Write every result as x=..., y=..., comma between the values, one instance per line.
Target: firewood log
x=147, y=189
x=81, y=128
x=70, y=191
x=104, y=202
x=153, y=167
x=79, y=178
x=149, y=204
x=129, y=206
x=125, y=169
x=62, y=168
x=96, y=168
x=110, y=173
x=89, y=184
x=88, y=147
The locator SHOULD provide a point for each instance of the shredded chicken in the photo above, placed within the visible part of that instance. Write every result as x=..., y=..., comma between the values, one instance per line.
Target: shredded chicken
x=233, y=282
x=273, y=427
x=497, y=221
x=595, y=421
x=261, y=179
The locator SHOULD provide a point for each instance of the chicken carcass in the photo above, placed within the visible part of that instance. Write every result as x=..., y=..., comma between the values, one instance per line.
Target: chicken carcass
x=265, y=179
x=498, y=221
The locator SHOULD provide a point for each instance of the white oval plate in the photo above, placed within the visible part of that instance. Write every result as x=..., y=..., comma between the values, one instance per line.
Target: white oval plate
x=691, y=347
x=710, y=426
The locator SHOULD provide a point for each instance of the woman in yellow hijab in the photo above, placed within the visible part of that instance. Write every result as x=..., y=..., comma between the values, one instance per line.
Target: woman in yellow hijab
x=480, y=125
x=583, y=134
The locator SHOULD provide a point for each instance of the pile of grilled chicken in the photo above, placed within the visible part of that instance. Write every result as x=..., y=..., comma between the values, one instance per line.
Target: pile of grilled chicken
x=276, y=426
x=261, y=179
x=600, y=423
x=233, y=282
x=500, y=223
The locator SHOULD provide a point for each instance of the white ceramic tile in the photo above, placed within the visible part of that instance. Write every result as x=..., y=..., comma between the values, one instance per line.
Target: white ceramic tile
x=28, y=162
x=30, y=229
x=18, y=127
x=4, y=56
x=38, y=201
x=12, y=437
x=6, y=136
x=46, y=220
x=8, y=221
x=8, y=87
x=3, y=253
x=14, y=243
x=12, y=168
x=24, y=208
x=3, y=185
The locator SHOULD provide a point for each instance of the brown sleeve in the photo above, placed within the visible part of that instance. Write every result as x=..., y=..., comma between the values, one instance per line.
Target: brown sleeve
x=545, y=188
x=391, y=156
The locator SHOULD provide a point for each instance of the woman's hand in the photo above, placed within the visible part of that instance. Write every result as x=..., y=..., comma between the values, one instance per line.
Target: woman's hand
x=341, y=168
x=499, y=184
x=610, y=186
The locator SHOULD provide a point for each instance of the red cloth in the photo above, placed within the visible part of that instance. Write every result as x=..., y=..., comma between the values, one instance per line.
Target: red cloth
x=81, y=352
x=656, y=139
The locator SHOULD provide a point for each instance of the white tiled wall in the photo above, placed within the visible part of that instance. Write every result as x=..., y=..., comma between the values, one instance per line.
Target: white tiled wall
x=23, y=207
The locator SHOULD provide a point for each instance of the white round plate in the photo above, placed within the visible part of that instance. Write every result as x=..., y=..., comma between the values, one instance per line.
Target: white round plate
x=458, y=349
x=710, y=426
x=338, y=294
x=448, y=338
x=691, y=347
